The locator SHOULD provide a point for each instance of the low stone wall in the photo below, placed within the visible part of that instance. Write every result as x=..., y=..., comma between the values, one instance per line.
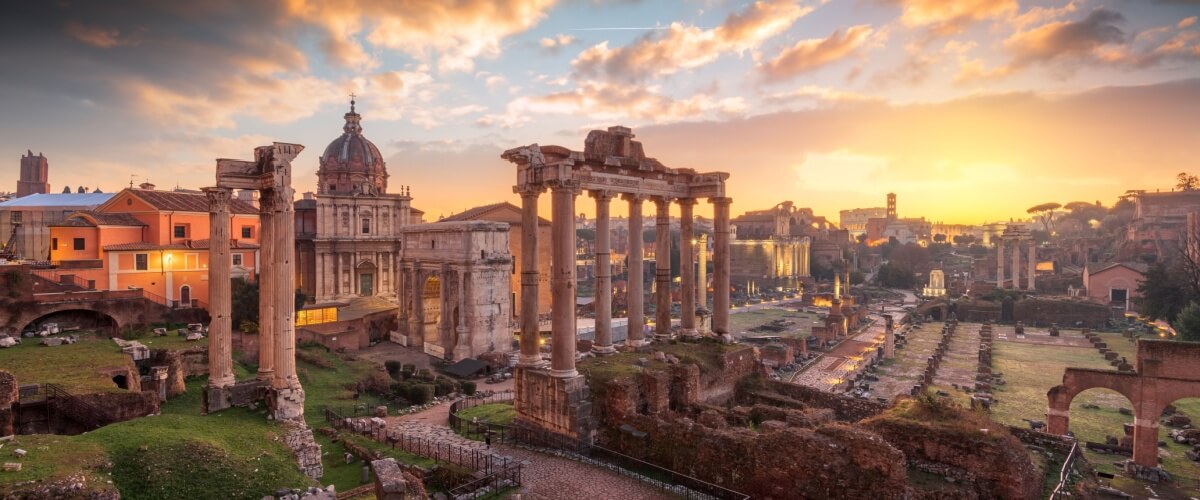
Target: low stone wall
x=8, y=395
x=721, y=387
x=1043, y=312
x=846, y=408
x=122, y=406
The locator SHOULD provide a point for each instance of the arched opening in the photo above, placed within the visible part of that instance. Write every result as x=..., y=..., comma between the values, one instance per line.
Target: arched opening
x=185, y=296
x=431, y=298
x=365, y=275
x=121, y=381
x=84, y=319
x=1099, y=415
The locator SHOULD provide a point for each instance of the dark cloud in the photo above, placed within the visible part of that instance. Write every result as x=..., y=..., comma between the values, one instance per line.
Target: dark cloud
x=1067, y=39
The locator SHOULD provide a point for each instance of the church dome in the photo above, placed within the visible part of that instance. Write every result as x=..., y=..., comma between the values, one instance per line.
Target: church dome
x=351, y=164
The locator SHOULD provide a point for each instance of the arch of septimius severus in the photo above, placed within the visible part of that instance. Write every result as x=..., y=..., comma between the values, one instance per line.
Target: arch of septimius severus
x=611, y=165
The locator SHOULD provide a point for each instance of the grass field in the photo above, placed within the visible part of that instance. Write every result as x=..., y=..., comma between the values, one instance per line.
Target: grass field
x=1030, y=370
x=76, y=366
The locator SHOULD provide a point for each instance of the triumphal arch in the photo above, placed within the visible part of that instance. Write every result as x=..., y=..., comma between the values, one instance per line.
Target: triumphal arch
x=611, y=165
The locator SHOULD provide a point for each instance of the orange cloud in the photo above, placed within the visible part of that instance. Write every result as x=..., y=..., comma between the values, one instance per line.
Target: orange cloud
x=95, y=35
x=949, y=17
x=605, y=101
x=810, y=55
x=686, y=47
x=455, y=33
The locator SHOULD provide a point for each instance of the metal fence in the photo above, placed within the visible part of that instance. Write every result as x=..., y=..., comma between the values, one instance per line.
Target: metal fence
x=1064, y=474
x=676, y=483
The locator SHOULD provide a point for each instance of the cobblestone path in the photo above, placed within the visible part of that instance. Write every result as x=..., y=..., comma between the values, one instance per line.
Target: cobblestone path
x=549, y=477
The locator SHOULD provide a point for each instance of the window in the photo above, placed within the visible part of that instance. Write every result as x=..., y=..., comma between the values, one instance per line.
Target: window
x=141, y=261
x=78, y=243
x=332, y=187
x=54, y=243
x=366, y=226
x=180, y=231
x=237, y=259
x=247, y=231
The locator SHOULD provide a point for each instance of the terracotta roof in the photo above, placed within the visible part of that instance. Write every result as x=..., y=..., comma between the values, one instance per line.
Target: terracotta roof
x=1136, y=266
x=188, y=202
x=193, y=245
x=478, y=212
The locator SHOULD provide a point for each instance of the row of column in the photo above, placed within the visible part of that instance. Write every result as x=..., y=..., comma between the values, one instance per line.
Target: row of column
x=1031, y=263
x=277, y=283
x=563, y=273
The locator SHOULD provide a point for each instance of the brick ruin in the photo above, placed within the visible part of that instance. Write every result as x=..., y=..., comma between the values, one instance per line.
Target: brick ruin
x=1165, y=372
x=771, y=439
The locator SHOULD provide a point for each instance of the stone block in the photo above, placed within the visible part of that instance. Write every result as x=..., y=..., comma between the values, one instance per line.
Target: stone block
x=12, y=467
x=9, y=341
x=52, y=342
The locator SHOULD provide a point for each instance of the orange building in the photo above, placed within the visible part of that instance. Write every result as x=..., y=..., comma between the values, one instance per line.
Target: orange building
x=153, y=240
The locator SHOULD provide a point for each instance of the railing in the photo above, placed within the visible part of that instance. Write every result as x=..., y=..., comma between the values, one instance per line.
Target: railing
x=156, y=298
x=86, y=414
x=1065, y=473
x=583, y=451
x=53, y=276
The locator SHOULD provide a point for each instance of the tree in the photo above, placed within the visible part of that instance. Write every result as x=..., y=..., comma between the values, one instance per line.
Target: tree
x=1163, y=295
x=1185, y=182
x=1045, y=214
x=964, y=239
x=940, y=238
x=1187, y=324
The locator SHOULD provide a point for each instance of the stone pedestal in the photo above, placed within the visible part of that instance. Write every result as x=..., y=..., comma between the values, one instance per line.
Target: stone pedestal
x=286, y=403
x=555, y=405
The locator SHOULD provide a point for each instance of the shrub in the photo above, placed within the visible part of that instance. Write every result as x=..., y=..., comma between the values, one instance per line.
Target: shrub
x=425, y=374
x=420, y=394
x=393, y=368
x=468, y=387
x=444, y=386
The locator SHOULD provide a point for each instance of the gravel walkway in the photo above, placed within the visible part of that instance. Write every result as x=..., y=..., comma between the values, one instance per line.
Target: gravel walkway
x=553, y=478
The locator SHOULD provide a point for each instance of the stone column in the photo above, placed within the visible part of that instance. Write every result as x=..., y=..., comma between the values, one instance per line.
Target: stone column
x=220, y=330
x=562, y=279
x=687, y=273
x=635, y=291
x=999, y=262
x=1029, y=281
x=417, y=321
x=444, y=309
x=662, y=269
x=603, y=343
x=285, y=290
x=530, y=331
x=702, y=272
x=1016, y=265
x=720, y=316
x=401, y=281
x=889, y=337
x=462, y=344
x=266, y=286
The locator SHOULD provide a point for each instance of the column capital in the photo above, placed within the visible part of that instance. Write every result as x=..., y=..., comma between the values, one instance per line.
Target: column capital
x=602, y=195
x=560, y=185
x=634, y=197
x=529, y=190
x=721, y=200
x=661, y=201
x=685, y=201
x=218, y=198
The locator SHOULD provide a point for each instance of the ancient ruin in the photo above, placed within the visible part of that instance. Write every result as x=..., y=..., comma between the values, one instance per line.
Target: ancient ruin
x=1017, y=236
x=270, y=173
x=612, y=164
x=1165, y=372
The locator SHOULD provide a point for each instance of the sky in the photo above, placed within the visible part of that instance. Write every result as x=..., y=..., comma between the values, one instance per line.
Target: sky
x=968, y=110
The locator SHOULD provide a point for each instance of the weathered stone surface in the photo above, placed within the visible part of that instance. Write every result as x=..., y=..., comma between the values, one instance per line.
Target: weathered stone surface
x=392, y=483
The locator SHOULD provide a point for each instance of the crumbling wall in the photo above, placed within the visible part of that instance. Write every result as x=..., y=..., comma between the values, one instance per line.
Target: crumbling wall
x=8, y=395
x=1043, y=312
x=721, y=387
x=846, y=408
x=122, y=406
x=774, y=462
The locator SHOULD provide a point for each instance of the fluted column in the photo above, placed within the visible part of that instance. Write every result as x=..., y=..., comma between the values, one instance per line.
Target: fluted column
x=721, y=264
x=285, y=290
x=220, y=330
x=702, y=272
x=462, y=343
x=562, y=280
x=401, y=282
x=266, y=286
x=662, y=269
x=417, y=321
x=1032, y=265
x=603, y=344
x=687, y=274
x=444, y=309
x=635, y=291
x=999, y=262
x=1016, y=265
x=530, y=331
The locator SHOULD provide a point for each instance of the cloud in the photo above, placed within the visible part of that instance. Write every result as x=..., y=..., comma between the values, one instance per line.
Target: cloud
x=819, y=94
x=950, y=17
x=813, y=54
x=1067, y=39
x=602, y=101
x=453, y=33
x=1186, y=22
x=553, y=44
x=95, y=36
x=681, y=47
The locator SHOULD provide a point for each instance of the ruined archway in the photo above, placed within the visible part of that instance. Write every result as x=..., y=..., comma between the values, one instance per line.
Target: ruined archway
x=1099, y=416
x=431, y=300
x=84, y=319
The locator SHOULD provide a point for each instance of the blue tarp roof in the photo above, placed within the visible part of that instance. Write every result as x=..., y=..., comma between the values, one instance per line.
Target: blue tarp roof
x=87, y=200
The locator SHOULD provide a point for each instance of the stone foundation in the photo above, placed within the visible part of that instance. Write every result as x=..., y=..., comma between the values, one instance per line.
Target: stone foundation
x=240, y=394
x=299, y=439
x=555, y=405
x=287, y=403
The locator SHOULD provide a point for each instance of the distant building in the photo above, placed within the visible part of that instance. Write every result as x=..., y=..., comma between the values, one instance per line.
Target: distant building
x=1159, y=222
x=772, y=246
x=26, y=221
x=507, y=212
x=153, y=240
x=1115, y=284
x=855, y=220
x=35, y=175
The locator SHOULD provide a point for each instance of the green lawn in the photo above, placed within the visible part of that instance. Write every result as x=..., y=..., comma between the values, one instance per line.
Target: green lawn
x=76, y=366
x=494, y=413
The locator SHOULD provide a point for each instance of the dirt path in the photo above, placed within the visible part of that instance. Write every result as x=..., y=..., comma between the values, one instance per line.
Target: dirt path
x=552, y=478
